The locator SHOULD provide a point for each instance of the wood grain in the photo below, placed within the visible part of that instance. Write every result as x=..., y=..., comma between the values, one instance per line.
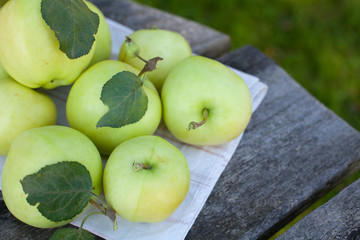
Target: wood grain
x=293, y=151
x=203, y=40
x=337, y=219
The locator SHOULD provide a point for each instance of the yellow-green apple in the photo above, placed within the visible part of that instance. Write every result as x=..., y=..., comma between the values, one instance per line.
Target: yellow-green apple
x=29, y=51
x=169, y=45
x=204, y=102
x=37, y=148
x=145, y=179
x=84, y=108
x=103, y=37
x=22, y=108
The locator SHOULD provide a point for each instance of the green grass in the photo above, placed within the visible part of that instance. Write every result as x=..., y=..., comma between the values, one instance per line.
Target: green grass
x=315, y=41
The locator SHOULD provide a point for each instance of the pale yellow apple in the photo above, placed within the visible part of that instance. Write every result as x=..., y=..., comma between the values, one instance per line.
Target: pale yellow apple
x=22, y=108
x=37, y=148
x=169, y=45
x=29, y=50
x=151, y=194
x=199, y=88
x=84, y=107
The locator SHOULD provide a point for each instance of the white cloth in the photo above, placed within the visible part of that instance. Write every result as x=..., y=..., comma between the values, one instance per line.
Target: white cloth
x=206, y=165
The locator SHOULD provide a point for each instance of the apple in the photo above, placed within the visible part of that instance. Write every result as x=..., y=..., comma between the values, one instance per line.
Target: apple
x=29, y=51
x=169, y=45
x=204, y=102
x=84, y=107
x=103, y=37
x=35, y=149
x=22, y=108
x=145, y=179
x=3, y=73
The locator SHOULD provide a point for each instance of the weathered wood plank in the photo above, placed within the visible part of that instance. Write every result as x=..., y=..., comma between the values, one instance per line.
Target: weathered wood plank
x=294, y=151
x=337, y=219
x=203, y=40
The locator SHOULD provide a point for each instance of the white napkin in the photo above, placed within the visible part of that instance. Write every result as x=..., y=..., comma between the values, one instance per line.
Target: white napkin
x=206, y=165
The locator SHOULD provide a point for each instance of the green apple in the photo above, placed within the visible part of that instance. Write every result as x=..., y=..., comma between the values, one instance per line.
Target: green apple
x=35, y=149
x=84, y=107
x=23, y=108
x=3, y=73
x=145, y=179
x=204, y=94
x=169, y=45
x=103, y=37
x=29, y=51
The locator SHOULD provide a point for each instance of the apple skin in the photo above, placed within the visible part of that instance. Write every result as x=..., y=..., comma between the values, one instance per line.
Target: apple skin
x=84, y=107
x=3, y=73
x=199, y=83
x=169, y=45
x=36, y=148
x=103, y=37
x=29, y=51
x=147, y=195
x=23, y=108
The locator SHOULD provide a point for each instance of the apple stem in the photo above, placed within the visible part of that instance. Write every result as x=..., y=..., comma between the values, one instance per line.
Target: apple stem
x=132, y=50
x=195, y=125
x=140, y=166
x=85, y=218
x=104, y=209
x=142, y=59
x=150, y=65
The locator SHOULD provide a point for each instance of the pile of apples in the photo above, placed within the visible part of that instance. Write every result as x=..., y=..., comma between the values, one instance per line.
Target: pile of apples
x=145, y=178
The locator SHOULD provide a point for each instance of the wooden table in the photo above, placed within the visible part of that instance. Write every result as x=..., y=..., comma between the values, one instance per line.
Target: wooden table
x=293, y=152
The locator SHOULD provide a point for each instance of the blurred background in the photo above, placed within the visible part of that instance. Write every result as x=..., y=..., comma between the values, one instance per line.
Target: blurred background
x=315, y=41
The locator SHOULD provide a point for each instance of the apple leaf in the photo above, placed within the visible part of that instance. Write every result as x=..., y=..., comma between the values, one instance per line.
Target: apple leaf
x=72, y=234
x=126, y=99
x=61, y=190
x=73, y=23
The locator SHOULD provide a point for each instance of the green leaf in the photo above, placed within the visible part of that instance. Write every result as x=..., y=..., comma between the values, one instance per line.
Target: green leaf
x=126, y=99
x=61, y=190
x=72, y=234
x=73, y=23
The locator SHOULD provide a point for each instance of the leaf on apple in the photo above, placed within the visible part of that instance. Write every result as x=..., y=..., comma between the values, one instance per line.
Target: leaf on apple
x=73, y=23
x=126, y=99
x=61, y=190
x=72, y=234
